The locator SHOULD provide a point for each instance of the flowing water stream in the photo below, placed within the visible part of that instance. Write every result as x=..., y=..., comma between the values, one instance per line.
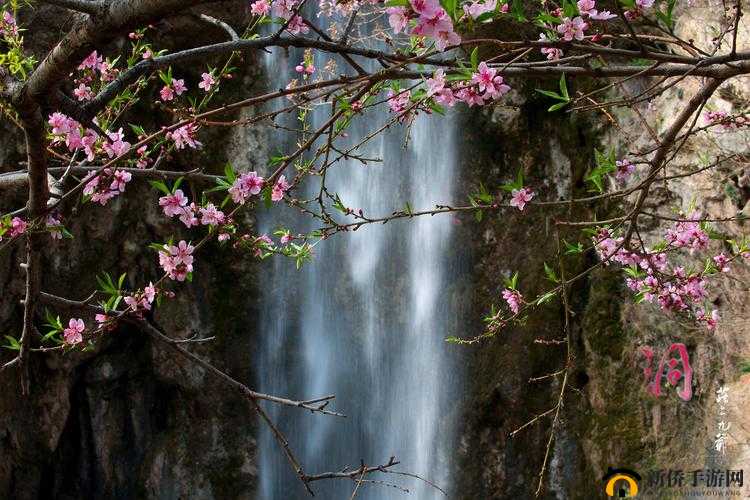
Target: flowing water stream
x=366, y=319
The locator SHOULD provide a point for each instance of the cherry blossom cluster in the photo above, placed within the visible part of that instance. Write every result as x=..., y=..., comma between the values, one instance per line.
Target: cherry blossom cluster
x=12, y=227
x=727, y=122
x=514, y=299
x=424, y=18
x=174, y=87
x=284, y=9
x=106, y=185
x=75, y=137
x=54, y=226
x=484, y=86
x=141, y=301
x=571, y=26
x=624, y=169
x=8, y=24
x=246, y=185
x=185, y=136
x=177, y=260
x=638, y=9
x=73, y=334
x=95, y=70
x=653, y=278
x=177, y=204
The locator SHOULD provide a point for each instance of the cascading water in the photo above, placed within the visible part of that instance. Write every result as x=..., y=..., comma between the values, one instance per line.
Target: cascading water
x=366, y=319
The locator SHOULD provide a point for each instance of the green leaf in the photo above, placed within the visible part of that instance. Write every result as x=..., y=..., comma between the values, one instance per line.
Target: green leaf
x=397, y=3
x=551, y=94
x=517, y=10
x=475, y=58
x=557, y=106
x=229, y=173
x=571, y=249
x=13, y=344
x=564, y=87
x=177, y=184
x=545, y=298
x=551, y=274
x=159, y=185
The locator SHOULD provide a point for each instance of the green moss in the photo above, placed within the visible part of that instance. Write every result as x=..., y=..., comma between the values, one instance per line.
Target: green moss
x=602, y=321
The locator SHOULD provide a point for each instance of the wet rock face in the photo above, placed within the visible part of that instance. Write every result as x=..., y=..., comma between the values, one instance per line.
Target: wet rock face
x=611, y=420
x=128, y=420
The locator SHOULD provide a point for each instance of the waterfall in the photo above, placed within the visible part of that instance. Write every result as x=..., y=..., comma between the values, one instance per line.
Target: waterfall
x=367, y=318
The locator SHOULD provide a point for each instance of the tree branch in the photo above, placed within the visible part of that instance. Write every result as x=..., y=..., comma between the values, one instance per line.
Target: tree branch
x=90, y=7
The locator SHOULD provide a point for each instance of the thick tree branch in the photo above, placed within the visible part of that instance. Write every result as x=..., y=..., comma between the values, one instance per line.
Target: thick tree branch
x=91, y=7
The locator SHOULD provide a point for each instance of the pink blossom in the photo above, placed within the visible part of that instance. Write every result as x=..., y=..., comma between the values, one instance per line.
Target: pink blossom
x=710, y=321
x=471, y=96
x=179, y=86
x=246, y=185
x=260, y=8
x=624, y=169
x=116, y=146
x=399, y=101
x=166, y=93
x=552, y=53
x=173, y=204
x=120, y=178
x=425, y=7
x=54, y=226
x=61, y=124
x=437, y=90
x=211, y=216
x=520, y=197
x=281, y=187
x=572, y=28
x=92, y=61
x=108, y=73
x=147, y=54
x=305, y=68
x=83, y=92
x=488, y=82
x=397, y=18
x=17, y=227
x=436, y=83
x=297, y=25
x=8, y=24
x=143, y=159
x=644, y=4
x=101, y=319
x=177, y=261
x=604, y=15
x=223, y=237
x=586, y=6
x=207, y=81
x=434, y=22
x=688, y=234
x=286, y=238
x=73, y=334
x=185, y=135
x=188, y=215
x=262, y=242
x=514, y=299
x=149, y=292
x=88, y=141
x=722, y=262
x=476, y=9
